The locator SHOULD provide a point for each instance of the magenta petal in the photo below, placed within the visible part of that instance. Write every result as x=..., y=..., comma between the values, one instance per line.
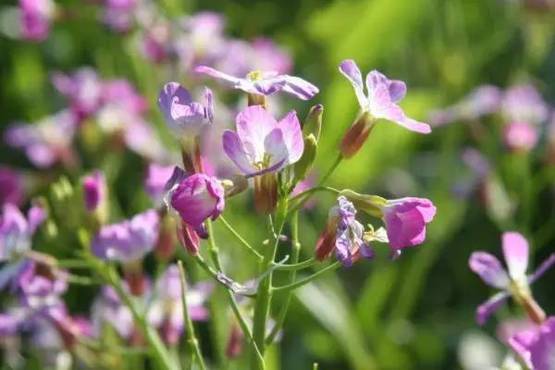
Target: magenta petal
x=515, y=250
x=489, y=269
x=486, y=309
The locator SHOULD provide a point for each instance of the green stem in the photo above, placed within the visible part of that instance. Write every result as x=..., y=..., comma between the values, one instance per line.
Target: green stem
x=295, y=266
x=325, y=178
x=241, y=239
x=264, y=296
x=307, y=279
x=189, y=328
x=296, y=248
x=234, y=306
x=314, y=190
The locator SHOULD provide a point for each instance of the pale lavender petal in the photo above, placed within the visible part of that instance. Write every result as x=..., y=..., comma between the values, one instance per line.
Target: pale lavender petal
x=343, y=245
x=489, y=269
x=35, y=216
x=274, y=146
x=397, y=90
x=269, y=86
x=367, y=251
x=300, y=88
x=542, y=269
x=254, y=123
x=486, y=309
x=350, y=70
x=209, y=99
x=515, y=250
x=292, y=136
x=234, y=149
x=234, y=82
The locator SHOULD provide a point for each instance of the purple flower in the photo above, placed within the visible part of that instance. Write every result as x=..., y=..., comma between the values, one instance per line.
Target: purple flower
x=118, y=14
x=41, y=286
x=11, y=187
x=156, y=178
x=182, y=114
x=35, y=18
x=405, y=220
x=381, y=96
x=124, y=95
x=523, y=103
x=520, y=136
x=344, y=234
x=514, y=282
x=166, y=309
x=129, y=240
x=536, y=345
x=16, y=231
x=155, y=43
x=109, y=309
x=262, y=144
x=82, y=88
x=196, y=198
x=94, y=190
x=267, y=56
x=264, y=83
x=47, y=142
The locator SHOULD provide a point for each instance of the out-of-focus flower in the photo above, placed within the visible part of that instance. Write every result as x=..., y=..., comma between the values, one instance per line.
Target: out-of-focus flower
x=406, y=219
x=41, y=286
x=264, y=83
x=344, y=234
x=118, y=14
x=183, y=115
x=381, y=96
x=46, y=142
x=166, y=309
x=196, y=198
x=127, y=241
x=262, y=144
x=515, y=282
x=94, y=190
x=16, y=232
x=481, y=101
x=523, y=103
x=124, y=95
x=82, y=88
x=36, y=16
x=108, y=309
x=267, y=56
x=156, y=178
x=536, y=346
x=11, y=187
x=520, y=136
x=155, y=43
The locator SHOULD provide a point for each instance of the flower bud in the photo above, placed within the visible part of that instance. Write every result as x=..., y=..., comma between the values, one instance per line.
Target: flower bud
x=304, y=165
x=234, y=343
x=265, y=193
x=371, y=204
x=356, y=135
x=188, y=238
x=313, y=122
x=95, y=195
x=135, y=278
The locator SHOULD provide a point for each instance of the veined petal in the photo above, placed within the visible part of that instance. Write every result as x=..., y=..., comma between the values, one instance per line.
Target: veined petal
x=546, y=265
x=274, y=146
x=209, y=99
x=269, y=86
x=292, y=136
x=218, y=75
x=254, y=123
x=486, y=309
x=515, y=250
x=397, y=90
x=236, y=152
x=489, y=269
x=300, y=88
x=350, y=70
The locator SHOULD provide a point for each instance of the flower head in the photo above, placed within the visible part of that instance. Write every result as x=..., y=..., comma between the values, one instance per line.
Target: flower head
x=264, y=83
x=183, y=114
x=41, y=286
x=129, y=240
x=405, y=220
x=156, y=178
x=523, y=103
x=381, y=96
x=83, y=89
x=109, y=309
x=94, y=190
x=344, y=234
x=520, y=136
x=536, y=345
x=35, y=18
x=262, y=144
x=11, y=187
x=118, y=14
x=16, y=231
x=513, y=282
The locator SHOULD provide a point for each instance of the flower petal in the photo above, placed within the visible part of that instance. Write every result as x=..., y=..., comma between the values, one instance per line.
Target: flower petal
x=546, y=265
x=229, y=80
x=397, y=90
x=292, y=136
x=489, y=269
x=350, y=70
x=236, y=152
x=254, y=123
x=486, y=309
x=515, y=250
x=300, y=88
x=274, y=146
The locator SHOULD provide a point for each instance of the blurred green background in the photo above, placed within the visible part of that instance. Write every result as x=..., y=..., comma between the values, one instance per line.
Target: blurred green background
x=407, y=314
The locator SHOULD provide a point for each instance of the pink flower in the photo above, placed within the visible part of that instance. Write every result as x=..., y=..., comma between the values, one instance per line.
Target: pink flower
x=156, y=178
x=520, y=136
x=513, y=282
x=35, y=18
x=536, y=345
x=94, y=190
x=406, y=219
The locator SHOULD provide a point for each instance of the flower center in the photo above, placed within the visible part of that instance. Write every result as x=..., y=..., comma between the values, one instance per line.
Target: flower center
x=254, y=75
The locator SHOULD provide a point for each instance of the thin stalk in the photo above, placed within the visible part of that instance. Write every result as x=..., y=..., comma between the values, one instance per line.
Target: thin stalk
x=234, y=306
x=264, y=296
x=189, y=327
x=295, y=266
x=325, y=178
x=296, y=248
x=314, y=190
x=241, y=239
x=307, y=279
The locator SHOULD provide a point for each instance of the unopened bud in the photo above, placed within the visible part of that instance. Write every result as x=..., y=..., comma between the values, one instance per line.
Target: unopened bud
x=304, y=165
x=265, y=193
x=237, y=184
x=313, y=122
x=356, y=135
x=135, y=278
x=188, y=238
x=371, y=204
x=326, y=242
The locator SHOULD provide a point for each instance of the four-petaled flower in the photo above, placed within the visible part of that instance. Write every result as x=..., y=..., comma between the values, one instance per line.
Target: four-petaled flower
x=261, y=143
x=264, y=83
x=381, y=96
x=515, y=282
